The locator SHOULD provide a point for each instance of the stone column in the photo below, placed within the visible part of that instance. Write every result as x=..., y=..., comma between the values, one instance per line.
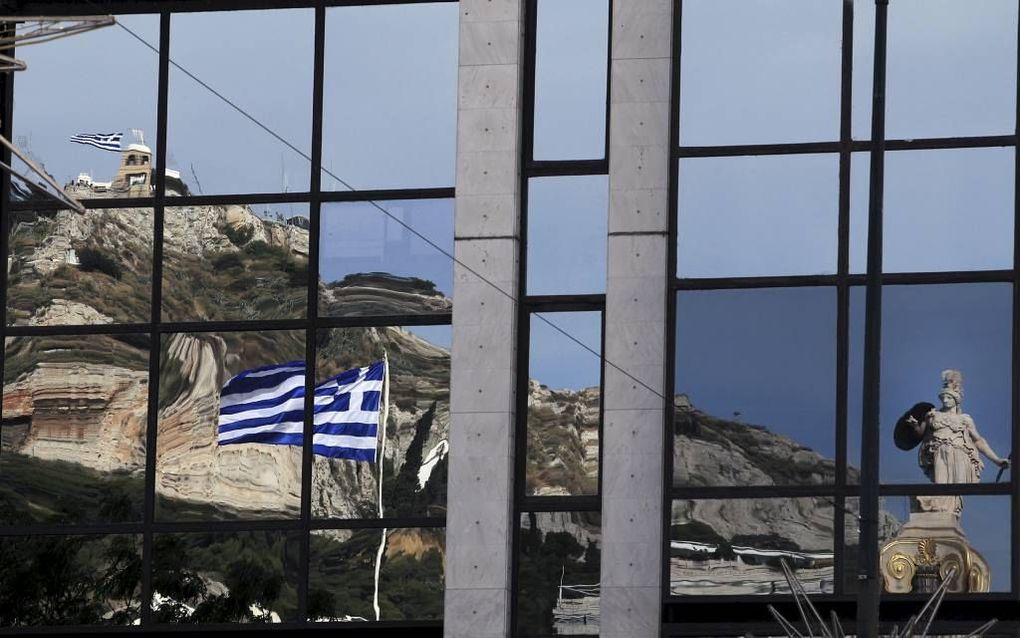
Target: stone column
x=632, y=462
x=487, y=222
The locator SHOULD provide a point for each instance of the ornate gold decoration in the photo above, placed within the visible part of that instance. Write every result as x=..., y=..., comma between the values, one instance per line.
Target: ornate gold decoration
x=964, y=569
x=926, y=548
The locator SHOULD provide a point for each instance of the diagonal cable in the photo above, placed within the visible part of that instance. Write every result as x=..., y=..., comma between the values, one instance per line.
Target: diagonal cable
x=396, y=219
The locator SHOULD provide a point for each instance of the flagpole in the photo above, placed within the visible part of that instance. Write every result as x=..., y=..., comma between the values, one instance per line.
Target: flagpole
x=380, y=458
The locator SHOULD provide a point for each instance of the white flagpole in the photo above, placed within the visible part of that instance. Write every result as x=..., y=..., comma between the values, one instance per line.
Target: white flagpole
x=379, y=459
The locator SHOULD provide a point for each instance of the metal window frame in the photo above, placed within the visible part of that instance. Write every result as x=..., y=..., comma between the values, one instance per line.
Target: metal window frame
x=305, y=523
x=712, y=615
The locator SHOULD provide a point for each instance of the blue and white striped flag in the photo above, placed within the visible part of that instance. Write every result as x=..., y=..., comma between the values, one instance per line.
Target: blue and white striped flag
x=266, y=405
x=105, y=141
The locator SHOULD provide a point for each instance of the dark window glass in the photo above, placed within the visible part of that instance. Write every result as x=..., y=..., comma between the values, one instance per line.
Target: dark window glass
x=567, y=223
x=199, y=475
x=73, y=431
x=70, y=580
x=235, y=262
x=755, y=385
x=342, y=574
x=389, y=111
x=265, y=68
x=414, y=466
x=50, y=106
x=951, y=68
x=977, y=542
x=564, y=404
x=371, y=264
x=781, y=61
x=855, y=383
x=236, y=577
x=570, y=79
x=927, y=330
x=735, y=546
x=70, y=269
x=860, y=184
x=757, y=216
x=558, y=573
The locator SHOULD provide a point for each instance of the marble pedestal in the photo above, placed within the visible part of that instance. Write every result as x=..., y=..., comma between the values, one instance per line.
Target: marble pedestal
x=899, y=558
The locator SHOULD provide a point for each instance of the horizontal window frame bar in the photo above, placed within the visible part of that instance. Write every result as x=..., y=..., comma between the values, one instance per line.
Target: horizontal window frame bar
x=218, y=527
x=547, y=504
x=129, y=7
x=857, y=279
x=737, y=492
x=564, y=303
x=855, y=146
x=565, y=168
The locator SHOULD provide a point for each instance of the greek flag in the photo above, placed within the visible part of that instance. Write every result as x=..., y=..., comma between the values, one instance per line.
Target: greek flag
x=105, y=141
x=266, y=405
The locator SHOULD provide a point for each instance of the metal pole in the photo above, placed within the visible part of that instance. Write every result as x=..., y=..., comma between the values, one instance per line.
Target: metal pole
x=869, y=581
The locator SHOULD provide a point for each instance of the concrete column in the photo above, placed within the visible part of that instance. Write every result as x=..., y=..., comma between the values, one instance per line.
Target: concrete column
x=487, y=221
x=632, y=463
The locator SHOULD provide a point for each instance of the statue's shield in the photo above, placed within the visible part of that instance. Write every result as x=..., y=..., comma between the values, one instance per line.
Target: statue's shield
x=905, y=436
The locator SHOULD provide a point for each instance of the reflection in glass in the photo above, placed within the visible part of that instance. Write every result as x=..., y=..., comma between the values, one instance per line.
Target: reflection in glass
x=757, y=216
x=390, y=96
x=71, y=269
x=774, y=91
x=855, y=383
x=50, y=105
x=370, y=264
x=567, y=223
x=951, y=68
x=564, y=405
x=755, y=387
x=235, y=262
x=570, y=79
x=215, y=148
x=863, y=68
x=734, y=546
x=929, y=329
x=558, y=573
x=888, y=527
x=417, y=430
x=947, y=210
x=70, y=580
x=73, y=430
x=983, y=529
x=240, y=577
x=341, y=577
x=196, y=478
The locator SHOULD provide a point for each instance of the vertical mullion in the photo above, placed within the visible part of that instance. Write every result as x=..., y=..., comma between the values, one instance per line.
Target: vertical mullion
x=311, y=334
x=155, y=334
x=1015, y=399
x=843, y=291
x=6, y=129
x=870, y=583
x=609, y=79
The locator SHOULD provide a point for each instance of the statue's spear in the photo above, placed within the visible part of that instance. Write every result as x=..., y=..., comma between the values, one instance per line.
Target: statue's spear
x=1003, y=468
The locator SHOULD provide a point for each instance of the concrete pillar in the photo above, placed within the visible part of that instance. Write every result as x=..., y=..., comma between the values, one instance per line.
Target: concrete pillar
x=487, y=221
x=632, y=463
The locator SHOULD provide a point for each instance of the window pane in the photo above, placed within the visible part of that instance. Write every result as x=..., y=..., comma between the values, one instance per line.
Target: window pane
x=571, y=57
x=734, y=546
x=73, y=431
x=239, y=577
x=58, y=97
x=371, y=264
x=855, y=384
x=930, y=329
x=981, y=532
x=235, y=262
x=888, y=527
x=951, y=68
x=564, y=405
x=341, y=578
x=755, y=384
x=71, y=269
x=558, y=573
x=863, y=68
x=417, y=429
x=567, y=224
x=70, y=580
x=198, y=478
x=860, y=194
x=265, y=68
x=389, y=112
x=781, y=61
x=948, y=210
x=758, y=216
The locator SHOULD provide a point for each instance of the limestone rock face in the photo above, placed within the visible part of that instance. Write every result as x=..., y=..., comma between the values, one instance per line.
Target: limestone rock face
x=563, y=446
x=61, y=312
x=195, y=230
x=92, y=415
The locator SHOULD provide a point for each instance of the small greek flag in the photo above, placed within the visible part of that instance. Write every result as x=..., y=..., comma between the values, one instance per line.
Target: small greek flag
x=105, y=141
x=266, y=405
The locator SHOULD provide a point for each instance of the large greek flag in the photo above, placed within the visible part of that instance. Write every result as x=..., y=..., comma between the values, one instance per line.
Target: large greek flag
x=105, y=141
x=266, y=405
